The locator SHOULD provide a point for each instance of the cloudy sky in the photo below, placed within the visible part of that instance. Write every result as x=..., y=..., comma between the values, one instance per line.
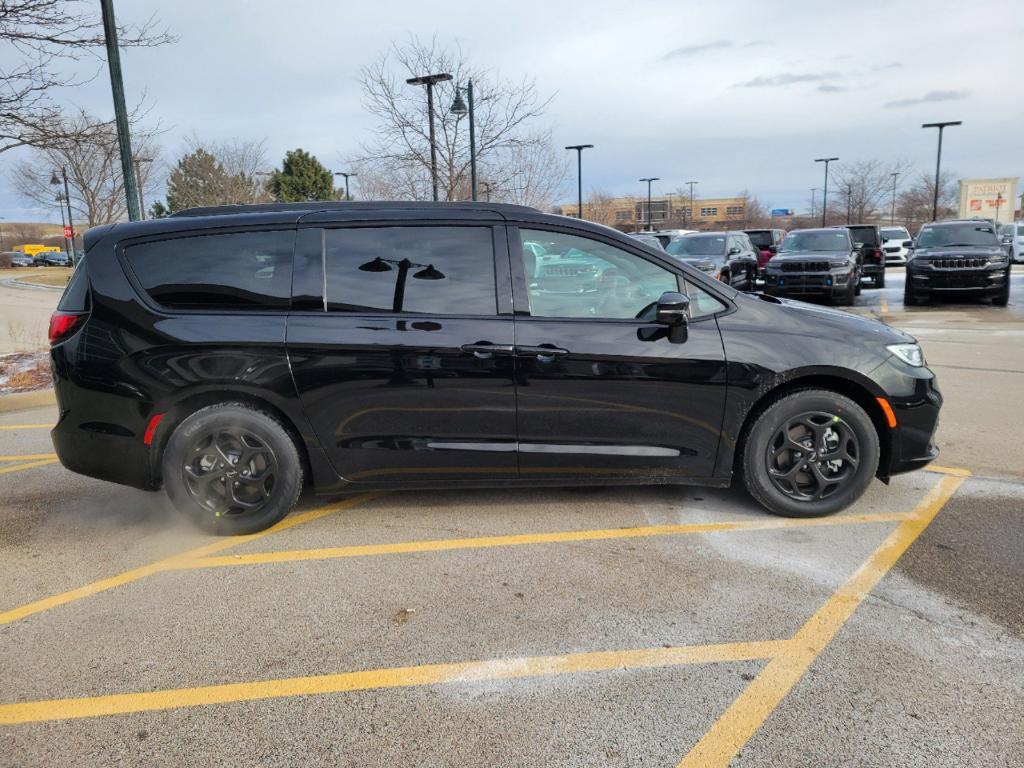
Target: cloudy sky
x=741, y=94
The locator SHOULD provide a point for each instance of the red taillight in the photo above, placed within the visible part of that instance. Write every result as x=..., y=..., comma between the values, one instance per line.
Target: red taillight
x=878, y=254
x=62, y=324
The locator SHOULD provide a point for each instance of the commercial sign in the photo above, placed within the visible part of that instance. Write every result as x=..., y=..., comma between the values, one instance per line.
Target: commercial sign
x=776, y=212
x=988, y=199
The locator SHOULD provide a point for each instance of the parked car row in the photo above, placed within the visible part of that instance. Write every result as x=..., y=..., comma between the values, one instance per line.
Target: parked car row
x=44, y=259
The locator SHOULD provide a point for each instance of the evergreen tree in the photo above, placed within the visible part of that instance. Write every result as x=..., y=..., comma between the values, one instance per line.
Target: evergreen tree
x=302, y=177
x=198, y=179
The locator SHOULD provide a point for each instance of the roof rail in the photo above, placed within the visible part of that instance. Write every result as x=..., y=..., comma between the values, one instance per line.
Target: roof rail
x=336, y=205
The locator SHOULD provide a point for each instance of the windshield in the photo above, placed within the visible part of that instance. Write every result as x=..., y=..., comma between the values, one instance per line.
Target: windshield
x=895, y=233
x=952, y=235
x=796, y=242
x=696, y=246
x=761, y=239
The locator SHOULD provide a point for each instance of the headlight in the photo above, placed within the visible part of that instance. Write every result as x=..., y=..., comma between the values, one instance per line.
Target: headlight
x=834, y=263
x=999, y=259
x=910, y=354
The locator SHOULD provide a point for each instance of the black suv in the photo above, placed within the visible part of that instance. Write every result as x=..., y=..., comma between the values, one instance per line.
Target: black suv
x=726, y=256
x=815, y=262
x=958, y=257
x=868, y=238
x=234, y=355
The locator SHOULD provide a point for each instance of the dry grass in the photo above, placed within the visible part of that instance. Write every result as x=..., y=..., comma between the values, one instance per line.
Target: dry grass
x=55, y=276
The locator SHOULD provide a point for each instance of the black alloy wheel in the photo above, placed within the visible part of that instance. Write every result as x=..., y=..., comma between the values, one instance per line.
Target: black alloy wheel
x=810, y=453
x=812, y=456
x=232, y=469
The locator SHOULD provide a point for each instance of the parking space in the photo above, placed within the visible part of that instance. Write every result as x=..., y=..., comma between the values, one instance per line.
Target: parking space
x=613, y=626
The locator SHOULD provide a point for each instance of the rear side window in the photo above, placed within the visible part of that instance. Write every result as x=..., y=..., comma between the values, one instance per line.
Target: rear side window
x=76, y=295
x=240, y=270
x=424, y=270
x=865, y=235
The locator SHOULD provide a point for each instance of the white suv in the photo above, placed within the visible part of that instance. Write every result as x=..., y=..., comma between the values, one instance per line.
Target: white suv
x=1012, y=236
x=894, y=247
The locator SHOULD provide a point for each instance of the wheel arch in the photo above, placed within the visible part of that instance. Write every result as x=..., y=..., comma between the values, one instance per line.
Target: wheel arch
x=182, y=408
x=858, y=389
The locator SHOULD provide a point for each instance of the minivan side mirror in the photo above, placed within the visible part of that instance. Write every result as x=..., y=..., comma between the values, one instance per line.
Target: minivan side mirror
x=673, y=309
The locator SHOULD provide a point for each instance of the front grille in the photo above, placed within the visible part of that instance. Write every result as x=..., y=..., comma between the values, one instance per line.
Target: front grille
x=959, y=262
x=805, y=266
x=893, y=250
x=565, y=270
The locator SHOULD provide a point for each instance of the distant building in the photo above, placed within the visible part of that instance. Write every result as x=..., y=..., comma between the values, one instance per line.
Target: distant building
x=630, y=213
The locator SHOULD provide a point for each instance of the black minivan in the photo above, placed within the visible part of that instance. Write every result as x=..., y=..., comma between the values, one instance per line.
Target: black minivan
x=236, y=355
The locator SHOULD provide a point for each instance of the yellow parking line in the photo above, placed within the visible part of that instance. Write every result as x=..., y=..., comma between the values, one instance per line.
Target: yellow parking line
x=955, y=471
x=885, y=305
x=27, y=465
x=170, y=563
x=7, y=427
x=28, y=456
x=749, y=711
x=556, y=537
x=393, y=677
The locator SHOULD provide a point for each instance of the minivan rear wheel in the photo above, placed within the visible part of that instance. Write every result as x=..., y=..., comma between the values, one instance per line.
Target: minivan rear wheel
x=811, y=453
x=232, y=469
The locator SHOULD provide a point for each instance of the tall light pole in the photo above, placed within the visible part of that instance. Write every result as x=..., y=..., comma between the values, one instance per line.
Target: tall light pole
x=691, y=183
x=459, y=107
x=824, y=192
x=892, y=213
x=138, y=177
x=430, y=81
x=938, y=161
x=579, y=172
x=813, y=206
x=120, y=111
x=54, y=181
x=63, y=226
x=670, y=195
x=849, y=201
x=346, y=174
x=999, y=204
x=649, y=181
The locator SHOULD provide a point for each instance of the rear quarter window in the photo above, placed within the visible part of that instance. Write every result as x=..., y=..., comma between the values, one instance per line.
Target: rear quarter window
x=240, y=270
x=76, y=296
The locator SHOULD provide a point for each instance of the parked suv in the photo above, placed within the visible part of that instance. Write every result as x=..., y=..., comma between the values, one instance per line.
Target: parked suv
x=895, y=244
x=233, y=355
x=815, y=262
x=958, y=257
x=726, y=256
x=1012, y=236
x=871, y=258
x=52, y=259
x=767, y=242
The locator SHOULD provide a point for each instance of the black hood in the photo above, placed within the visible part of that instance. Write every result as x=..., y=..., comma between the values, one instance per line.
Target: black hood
x=810, y=256
x=968, y=251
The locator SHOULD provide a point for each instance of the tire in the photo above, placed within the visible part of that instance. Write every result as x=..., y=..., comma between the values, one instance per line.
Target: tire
x=263, y=489
x=1002, y=298
x=880, y=279
x=910, y=298
x=846, y=299
x=829, y=412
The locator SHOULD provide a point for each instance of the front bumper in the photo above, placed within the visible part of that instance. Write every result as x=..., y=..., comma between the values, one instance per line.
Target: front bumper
x=916, y=401
x=983, y=282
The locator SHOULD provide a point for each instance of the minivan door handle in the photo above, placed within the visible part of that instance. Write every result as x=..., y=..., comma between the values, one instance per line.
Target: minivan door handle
x=485, y=350
x=545, y=352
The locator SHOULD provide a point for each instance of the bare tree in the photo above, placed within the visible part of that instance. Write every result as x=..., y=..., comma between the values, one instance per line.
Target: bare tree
x=914, y=203
x=755, y=213
x=864, y=188
x=46, y=36
x=599, y=207
x=395, y=162
x=88, y=149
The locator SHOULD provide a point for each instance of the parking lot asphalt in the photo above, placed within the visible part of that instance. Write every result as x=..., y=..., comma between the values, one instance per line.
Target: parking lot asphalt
x=620, y=626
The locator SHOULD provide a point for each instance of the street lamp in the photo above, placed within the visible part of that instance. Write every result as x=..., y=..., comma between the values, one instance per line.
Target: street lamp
x=849, y=201
x=430, y=81
x=460, y=108
x=138, y=180
x=814, y=190
x=54, y=181
x=120, y=111
x=691, y=183
x=426, y=272
x=670, y=195
x=347, y=175
x=579, y=172
x=892, y=213
x=824, y=192
x=649, y=181
x=999, y=203
x=938, y=161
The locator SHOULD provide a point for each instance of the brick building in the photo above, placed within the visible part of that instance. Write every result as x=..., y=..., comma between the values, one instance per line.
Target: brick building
x=669, y=212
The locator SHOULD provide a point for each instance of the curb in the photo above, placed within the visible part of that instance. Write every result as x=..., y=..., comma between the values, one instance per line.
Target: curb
x=25, y=284
x=23, y=401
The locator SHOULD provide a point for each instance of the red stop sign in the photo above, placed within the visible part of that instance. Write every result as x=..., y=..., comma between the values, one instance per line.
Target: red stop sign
x=67, y=231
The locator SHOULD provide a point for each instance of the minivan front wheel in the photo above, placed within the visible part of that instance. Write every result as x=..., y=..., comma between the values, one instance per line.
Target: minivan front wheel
x=232, y=469
x=811, y=453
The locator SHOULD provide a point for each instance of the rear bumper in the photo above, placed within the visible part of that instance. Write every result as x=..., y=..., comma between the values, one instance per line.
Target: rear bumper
x=872, y=269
